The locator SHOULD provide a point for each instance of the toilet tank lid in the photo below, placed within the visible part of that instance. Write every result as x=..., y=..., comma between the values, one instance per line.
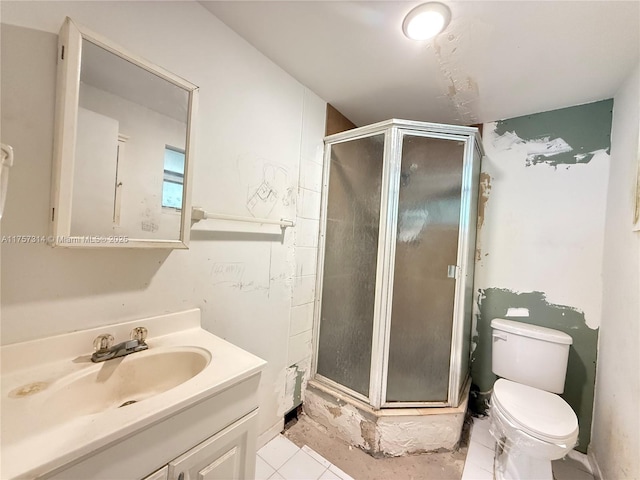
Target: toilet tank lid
x=532, y=331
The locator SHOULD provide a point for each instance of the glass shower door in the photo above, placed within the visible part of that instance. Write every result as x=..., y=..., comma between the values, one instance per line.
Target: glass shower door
x=397, y=237
x=350, y=262
x=426, y=250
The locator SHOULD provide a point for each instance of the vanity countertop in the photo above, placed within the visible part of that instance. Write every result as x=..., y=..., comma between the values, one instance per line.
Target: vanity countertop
x=36, y=441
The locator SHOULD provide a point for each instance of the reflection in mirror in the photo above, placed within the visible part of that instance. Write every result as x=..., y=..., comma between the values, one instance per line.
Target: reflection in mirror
x=129, y=158
x=173, y=181
x=128, y=121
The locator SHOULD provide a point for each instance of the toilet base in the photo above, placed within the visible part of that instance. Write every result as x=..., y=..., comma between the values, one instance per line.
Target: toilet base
x=515, y=465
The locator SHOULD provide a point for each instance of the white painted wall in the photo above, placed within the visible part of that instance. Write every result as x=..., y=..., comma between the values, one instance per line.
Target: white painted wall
x=616, y=417
x=306, y=251
x=253, y=120
x=544, y=227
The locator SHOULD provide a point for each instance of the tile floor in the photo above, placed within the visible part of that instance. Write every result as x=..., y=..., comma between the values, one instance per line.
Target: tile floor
x=281, y=459
x=479, y=462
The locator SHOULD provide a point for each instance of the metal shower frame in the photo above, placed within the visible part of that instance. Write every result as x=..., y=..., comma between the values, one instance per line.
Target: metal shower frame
x=394, y=130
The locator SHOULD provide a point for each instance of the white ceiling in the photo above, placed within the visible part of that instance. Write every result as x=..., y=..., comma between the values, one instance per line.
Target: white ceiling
x=497, y=59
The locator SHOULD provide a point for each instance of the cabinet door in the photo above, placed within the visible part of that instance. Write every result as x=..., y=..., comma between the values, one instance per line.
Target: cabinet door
x=162, y=474
x=228, y=455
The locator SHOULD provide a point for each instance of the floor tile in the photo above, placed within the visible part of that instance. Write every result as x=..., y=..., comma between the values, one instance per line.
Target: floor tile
x=301, y=467
x=329, y=475
x=316, y=456
x=263, y=469
x=567, y=470
x=474, y=472
x=340, y=473
x=480, y=433
x=278, y=451
x=581, y=461
x=276, y=476
x=480, y=456
x=482, y=422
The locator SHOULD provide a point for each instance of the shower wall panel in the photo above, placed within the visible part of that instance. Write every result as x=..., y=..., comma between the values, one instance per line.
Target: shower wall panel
x=348, y=293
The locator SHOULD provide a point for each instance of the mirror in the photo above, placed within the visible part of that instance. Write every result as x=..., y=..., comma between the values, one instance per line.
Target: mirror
x=123, y=152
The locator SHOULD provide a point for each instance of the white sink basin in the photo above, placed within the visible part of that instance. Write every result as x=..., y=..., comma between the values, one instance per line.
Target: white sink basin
x=124, y=381
x=57, y=407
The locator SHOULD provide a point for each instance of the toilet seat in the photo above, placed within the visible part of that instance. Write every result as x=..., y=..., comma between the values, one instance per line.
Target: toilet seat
x=541, y=414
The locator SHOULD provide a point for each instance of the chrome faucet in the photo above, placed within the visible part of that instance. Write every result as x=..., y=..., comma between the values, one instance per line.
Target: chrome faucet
x=105, y=350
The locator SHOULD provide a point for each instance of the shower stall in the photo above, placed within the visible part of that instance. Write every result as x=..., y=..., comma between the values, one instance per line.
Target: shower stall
x=395, y=272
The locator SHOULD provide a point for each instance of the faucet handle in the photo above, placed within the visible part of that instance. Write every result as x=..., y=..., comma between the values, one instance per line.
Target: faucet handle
x=139, y=333
x=103, y=342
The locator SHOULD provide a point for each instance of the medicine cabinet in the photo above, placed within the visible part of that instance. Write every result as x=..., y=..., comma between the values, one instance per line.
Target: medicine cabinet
x=123, y=152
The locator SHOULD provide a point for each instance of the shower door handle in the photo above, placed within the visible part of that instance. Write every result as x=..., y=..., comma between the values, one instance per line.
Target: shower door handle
x=452, y=271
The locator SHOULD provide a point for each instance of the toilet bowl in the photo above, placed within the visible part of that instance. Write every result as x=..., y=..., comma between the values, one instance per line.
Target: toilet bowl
x=532, y=425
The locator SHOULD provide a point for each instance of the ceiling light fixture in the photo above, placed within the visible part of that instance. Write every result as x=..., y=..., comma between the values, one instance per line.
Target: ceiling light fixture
x=426, y=21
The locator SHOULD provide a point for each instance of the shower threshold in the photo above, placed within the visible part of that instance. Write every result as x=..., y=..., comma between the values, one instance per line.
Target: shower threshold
x=389, y=431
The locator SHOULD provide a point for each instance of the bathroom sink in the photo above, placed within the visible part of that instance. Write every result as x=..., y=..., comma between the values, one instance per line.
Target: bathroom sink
x=60, y=410
x=124, y=381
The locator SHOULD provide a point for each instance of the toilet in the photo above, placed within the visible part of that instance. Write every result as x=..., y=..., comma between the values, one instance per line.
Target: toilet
x=532, y=425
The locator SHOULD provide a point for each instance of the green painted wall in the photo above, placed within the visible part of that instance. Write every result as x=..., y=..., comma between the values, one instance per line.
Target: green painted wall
x=586, y=128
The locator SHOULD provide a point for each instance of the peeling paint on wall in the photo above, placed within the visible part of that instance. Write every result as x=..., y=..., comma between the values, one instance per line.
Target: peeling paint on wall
x=543, y=230
x=485, y=191
x=368, y=433
x=543, y=237
x=483, y=198
x=335, y=411
x=296, y=379
x=581, y=370
x=561, y=137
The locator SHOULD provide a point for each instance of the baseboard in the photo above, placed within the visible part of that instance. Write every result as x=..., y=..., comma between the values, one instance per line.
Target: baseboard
x=271, y=433
x=595, y=468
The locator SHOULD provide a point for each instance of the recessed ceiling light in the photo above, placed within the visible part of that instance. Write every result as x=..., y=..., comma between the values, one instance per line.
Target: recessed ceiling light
x=426, y=21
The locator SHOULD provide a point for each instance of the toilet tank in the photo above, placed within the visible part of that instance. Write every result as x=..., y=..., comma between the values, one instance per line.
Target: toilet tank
x=529, y=354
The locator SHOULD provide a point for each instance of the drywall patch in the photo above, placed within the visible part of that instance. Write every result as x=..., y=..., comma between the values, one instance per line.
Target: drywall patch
x=559, y=137
x=485, y=191
x=581, y=370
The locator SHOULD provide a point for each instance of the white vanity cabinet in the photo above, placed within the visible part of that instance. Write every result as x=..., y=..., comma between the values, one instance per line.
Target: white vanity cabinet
x=67, y=418
x=227, y=455
x=162, y=474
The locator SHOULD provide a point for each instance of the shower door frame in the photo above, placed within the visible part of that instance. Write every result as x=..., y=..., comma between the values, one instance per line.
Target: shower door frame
x=394, y=132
